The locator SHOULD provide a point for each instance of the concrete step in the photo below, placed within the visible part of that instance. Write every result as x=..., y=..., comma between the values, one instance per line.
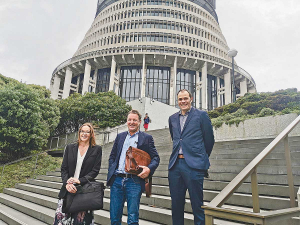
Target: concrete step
x=42, y=213
x=263, y=178
x=157, y=201
x=162, y=199
x=148, y=213
x=294, y=155
x=164, y=162
x=264, y=189
x=101, y=216
x=13, y=217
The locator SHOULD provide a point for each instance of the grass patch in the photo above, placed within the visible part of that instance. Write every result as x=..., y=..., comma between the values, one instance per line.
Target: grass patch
x=20, y=171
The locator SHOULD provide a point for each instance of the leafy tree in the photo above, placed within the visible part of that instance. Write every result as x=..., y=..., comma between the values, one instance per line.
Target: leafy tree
x=5, y=80
x=104, y=109
x=27, y=117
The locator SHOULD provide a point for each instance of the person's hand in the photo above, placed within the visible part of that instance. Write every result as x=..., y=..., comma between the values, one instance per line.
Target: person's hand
x=145, y=173
x=71, y=188
x=73, y=180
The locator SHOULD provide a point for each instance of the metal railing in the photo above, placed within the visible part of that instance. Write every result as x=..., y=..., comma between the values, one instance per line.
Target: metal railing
x=213, y=209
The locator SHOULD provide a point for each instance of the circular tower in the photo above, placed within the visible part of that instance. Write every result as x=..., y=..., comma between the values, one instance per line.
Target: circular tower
x=153, y=48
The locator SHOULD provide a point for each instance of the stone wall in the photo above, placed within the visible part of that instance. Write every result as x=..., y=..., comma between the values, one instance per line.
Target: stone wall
x=262, y=127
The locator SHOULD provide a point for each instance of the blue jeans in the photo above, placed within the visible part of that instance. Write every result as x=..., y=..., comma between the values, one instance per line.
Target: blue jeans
x=128, y=189
x=182, y=177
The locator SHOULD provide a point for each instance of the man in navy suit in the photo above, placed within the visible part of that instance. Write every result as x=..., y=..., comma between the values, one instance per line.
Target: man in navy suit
x=193, y=140
x=125, y=186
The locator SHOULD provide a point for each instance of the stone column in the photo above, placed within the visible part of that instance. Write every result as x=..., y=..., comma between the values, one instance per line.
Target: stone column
x=118, y=83
x=173, y=76
x=243, y=87
x=112, y=74
x=54, y=87
x=197, y=90
x=144, y=76
x=86, y=78
x=218, y=92
x=204, y=87
x=227, y=84
x=67, y=83
x=95, y=79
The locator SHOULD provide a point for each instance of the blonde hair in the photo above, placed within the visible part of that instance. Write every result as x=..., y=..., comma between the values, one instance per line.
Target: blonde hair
x=92, y=134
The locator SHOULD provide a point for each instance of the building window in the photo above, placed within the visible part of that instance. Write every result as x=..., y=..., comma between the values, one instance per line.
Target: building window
x=90, y=89
x=130, y=82
x=158, y=83
x=103, y=78
x=211, y=92
x=92, y=74
x=80, y=84
x=186, y=79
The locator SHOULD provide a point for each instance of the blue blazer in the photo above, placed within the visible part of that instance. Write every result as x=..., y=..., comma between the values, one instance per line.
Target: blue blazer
x=197, y=139
x=145, y=142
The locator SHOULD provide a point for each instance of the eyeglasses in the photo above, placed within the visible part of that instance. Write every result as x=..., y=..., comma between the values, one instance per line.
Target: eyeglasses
x=85, y=132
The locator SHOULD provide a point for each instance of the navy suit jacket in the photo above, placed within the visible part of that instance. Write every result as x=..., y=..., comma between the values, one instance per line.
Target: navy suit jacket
x=196, y=139
x=145, y=142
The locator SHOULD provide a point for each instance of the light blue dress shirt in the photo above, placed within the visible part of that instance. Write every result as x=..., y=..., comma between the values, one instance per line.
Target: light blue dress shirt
x=130, y=140
x=182, y=120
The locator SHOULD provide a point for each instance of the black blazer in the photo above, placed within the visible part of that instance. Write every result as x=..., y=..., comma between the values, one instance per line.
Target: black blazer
x=90, y=165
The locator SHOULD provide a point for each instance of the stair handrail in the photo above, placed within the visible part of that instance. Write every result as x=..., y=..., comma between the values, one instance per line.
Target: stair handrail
x=251, y=169
x=219, y=200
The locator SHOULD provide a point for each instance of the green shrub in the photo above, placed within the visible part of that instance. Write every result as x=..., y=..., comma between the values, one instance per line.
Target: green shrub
x=219, y=109
x=252, y=107
x=27, y=117
x=280, y=102
x=213, y=114
x=217, y=122
x=253, y=97
x=266, y=112
x=230, y=108
x=240, y=113
x=104, y=109
x=235, y=121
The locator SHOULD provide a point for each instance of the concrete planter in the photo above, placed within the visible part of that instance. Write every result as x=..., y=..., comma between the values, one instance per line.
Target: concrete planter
x=258, y=128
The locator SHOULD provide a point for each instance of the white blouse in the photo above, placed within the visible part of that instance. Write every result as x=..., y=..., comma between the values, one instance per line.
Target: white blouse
x=79, y=164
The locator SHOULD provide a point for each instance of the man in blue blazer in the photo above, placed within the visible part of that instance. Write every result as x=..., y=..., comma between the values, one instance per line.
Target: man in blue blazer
x=125, y=186
x=193, y=140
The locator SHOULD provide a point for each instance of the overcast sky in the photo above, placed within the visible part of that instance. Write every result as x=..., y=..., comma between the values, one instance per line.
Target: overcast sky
x=38, y=35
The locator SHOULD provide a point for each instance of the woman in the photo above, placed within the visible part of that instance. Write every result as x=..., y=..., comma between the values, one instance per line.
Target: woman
x=146, y=121
x=81, y=162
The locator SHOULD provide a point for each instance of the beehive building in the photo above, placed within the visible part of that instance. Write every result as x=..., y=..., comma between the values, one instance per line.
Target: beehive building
x=153, y=48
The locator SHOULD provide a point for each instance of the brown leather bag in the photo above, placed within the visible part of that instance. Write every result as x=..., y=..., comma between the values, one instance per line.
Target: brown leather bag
x=134, y=159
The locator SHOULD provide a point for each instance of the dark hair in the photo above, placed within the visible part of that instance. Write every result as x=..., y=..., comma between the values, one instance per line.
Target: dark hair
x=182, y=90
x=92, y=134
x=135, y=112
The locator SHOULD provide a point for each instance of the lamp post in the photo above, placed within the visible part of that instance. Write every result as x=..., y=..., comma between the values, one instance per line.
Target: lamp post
x=232, y=53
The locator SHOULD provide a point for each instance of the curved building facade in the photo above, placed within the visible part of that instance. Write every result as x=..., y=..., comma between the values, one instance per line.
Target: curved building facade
x=153, y=48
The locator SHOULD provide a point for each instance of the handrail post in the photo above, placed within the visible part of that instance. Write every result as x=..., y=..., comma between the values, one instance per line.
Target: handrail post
x=289, y=171
x=255, y=195
x=209, y=220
